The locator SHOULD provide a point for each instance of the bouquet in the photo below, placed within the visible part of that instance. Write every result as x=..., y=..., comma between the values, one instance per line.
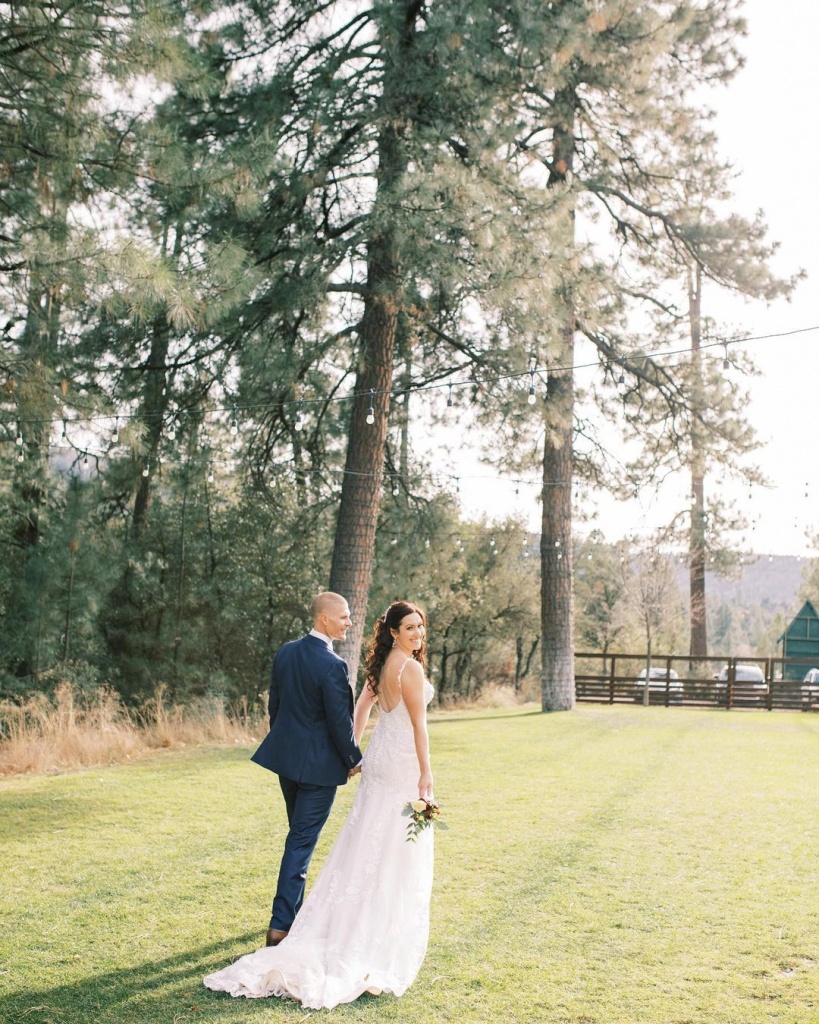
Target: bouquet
x=422, y=814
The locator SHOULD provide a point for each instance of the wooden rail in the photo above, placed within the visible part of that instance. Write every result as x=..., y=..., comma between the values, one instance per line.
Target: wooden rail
x=685, y=681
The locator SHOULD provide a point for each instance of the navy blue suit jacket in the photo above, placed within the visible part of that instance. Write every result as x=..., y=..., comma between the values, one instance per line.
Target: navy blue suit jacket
x=311, y=716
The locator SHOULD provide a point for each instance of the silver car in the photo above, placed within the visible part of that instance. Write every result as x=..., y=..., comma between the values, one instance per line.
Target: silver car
x=810, y=690
x=752, y=674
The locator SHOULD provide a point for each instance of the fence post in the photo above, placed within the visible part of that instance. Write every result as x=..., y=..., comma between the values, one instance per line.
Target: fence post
x=611, y=678
x=729, y=689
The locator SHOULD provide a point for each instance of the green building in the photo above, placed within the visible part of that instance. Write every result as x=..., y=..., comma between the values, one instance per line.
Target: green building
x=801, y=640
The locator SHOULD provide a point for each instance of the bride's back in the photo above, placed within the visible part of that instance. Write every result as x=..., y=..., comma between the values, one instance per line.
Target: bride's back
x=390, y=681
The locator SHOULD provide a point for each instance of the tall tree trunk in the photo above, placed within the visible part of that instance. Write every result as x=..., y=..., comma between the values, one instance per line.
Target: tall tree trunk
x=154, y=406
x=36, y=407
x=154, y=397
x=354, y=544
x=556, y=605
x=696, y=541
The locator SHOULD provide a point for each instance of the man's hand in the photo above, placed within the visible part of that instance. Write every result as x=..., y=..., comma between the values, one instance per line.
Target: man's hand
x=354, y=771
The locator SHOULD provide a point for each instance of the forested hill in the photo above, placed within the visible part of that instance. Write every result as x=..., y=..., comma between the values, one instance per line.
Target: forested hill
x=771, y=582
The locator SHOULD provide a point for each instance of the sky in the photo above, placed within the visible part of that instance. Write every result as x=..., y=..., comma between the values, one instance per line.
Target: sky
x=765, y=124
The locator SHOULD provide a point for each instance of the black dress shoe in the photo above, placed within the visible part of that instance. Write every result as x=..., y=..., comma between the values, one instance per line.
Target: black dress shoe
x=275, y=936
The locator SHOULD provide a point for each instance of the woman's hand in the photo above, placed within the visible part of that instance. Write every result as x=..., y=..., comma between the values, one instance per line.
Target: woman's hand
x=425, y=787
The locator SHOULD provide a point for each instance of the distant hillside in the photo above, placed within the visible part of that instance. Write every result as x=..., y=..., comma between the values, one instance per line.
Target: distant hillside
x=771, y=582
x=747, y=615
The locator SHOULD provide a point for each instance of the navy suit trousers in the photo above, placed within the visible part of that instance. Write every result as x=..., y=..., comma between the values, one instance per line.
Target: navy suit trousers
x=308, y=807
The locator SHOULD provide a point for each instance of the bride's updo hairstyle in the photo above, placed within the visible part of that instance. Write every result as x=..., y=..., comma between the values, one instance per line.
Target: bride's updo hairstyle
x=382, y=640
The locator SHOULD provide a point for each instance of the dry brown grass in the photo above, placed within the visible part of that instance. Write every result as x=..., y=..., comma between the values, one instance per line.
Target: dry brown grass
x=75, y=730
x=491, y=696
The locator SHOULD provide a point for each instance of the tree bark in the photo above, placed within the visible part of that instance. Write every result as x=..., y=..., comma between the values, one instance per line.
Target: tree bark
x=556, y=607
x=556, y=604
x=354, y=544
x=696, y=543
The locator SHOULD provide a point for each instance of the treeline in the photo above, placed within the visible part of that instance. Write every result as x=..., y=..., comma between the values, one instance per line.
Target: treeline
x=241, y=244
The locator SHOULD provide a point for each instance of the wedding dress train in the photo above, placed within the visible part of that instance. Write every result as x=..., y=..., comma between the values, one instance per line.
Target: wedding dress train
x=364, y=925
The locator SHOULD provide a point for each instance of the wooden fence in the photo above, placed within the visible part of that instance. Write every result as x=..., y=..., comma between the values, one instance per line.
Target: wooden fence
x=683, y=681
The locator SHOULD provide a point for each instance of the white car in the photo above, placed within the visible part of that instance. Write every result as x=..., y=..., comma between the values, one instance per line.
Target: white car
x=657, y=683
x=810, y=689
x=752, y=674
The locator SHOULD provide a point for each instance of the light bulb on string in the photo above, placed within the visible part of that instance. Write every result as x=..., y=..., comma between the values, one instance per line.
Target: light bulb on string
x=19, y=441
x=64, y=436
x=85, y=461
x=21, y=457
x=371, y=409
x=115, y=435
x=396, y=490
x=234, y=426
x=299, y=424
x=210, y=474
x=171, y=432
x=531, y=397
x=449, y=398
x=726, y=362
x=145, y=470
x=621, y=381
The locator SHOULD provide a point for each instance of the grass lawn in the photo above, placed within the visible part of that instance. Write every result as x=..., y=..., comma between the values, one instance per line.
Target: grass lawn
x=605, y=866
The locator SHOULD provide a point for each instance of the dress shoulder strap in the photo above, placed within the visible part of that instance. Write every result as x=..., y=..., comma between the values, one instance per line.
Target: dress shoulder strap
x=400, y=670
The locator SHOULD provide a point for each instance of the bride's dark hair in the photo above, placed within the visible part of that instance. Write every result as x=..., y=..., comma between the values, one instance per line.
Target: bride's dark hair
x=382, y=640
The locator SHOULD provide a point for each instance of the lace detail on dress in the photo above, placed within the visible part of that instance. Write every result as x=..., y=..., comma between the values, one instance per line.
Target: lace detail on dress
x=364, y=926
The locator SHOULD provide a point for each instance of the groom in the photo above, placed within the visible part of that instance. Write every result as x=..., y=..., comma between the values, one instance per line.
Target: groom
x=310, y=745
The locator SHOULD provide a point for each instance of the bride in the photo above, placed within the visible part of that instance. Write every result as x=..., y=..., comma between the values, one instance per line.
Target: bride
x=364, y=926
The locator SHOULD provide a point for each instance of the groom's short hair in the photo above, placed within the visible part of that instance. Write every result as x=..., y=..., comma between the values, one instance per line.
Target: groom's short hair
x=323, y=602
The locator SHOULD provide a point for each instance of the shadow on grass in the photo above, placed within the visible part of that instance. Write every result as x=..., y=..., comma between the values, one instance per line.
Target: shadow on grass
x=155, y=991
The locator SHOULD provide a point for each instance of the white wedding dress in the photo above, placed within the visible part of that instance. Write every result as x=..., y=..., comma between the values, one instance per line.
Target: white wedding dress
x=364, y=925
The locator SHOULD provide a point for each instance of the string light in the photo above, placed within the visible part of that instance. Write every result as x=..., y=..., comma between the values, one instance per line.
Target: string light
x=400, y=394
x=145, y=470
x=726, y=362
x=532, y=397
x=371, y=410
x=621, y=381
x=449, y=398
x=299, y=424
x=115, y=435
x=210, y=474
